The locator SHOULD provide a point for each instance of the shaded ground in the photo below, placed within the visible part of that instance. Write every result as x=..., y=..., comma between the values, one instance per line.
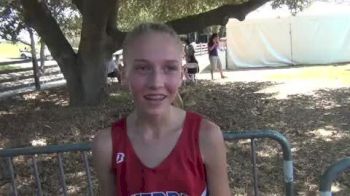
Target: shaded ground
x=317, y=126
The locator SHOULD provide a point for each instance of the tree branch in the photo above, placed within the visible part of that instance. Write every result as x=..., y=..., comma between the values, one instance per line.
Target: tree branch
x=16, y=40
x=218, y=16
x=38, y=16
x=23, y=42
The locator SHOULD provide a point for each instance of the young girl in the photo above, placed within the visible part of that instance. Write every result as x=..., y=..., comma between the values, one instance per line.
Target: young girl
x=214, y=59
x=159, y=149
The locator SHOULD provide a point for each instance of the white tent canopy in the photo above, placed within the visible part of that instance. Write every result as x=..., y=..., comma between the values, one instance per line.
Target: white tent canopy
x=318, y=35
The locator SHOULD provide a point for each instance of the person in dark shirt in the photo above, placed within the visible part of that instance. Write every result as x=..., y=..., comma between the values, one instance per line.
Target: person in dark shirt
x=213, y=46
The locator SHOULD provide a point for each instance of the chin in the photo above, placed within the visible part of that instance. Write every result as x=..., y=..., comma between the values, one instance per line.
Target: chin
x=156, y=110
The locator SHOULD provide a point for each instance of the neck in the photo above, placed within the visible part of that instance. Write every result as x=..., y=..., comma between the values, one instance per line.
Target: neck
x=153, y=125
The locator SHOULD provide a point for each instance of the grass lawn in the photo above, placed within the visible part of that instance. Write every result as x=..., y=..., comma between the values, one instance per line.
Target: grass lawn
x=8, y=67
x=9, y=50
x=339, y=73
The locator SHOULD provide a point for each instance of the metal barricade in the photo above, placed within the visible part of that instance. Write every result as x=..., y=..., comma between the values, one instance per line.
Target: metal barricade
x=331, y=174
x=86, y=147
x=8, y=154
x=287, y=155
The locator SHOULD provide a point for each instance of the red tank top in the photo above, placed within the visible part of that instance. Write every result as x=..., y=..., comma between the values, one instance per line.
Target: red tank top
x=182, y=173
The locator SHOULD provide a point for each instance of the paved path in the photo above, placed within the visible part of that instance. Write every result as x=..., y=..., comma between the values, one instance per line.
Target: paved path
x=284, y=86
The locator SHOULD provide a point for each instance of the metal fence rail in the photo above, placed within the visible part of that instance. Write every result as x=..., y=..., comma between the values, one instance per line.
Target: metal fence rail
x=331, y=174
x=86, y=147
x=287, y=155
x=8, y=154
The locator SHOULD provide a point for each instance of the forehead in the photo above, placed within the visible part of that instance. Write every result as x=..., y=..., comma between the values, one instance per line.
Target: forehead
x=154, y=45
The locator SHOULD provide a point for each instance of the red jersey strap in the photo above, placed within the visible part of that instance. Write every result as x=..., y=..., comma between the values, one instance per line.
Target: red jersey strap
x=192, y=124
x=117, y=140
x=191, y=130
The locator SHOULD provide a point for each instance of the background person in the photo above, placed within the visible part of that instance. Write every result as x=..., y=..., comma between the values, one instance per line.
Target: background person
x=213, y=46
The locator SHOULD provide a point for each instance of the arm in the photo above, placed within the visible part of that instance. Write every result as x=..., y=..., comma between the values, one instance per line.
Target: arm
x=210, y=48
x=102, y=160
x=213, y=151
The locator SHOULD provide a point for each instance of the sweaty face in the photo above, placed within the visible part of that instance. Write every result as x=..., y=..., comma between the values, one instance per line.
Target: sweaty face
x=153, y=72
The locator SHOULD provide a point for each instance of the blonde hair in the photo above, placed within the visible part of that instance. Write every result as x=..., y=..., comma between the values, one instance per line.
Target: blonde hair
x=147, y=28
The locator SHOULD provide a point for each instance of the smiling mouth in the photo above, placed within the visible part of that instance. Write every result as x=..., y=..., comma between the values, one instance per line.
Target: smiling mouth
x=155, y=97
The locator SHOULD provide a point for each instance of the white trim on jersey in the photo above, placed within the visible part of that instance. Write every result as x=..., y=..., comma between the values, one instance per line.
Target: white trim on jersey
x=205, y=193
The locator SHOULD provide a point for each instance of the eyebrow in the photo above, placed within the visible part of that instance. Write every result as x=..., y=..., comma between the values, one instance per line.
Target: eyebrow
x=146, y=61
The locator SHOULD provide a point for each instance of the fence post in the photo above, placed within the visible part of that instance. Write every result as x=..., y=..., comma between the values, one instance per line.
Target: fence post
x=331, y=174
x=287, y=153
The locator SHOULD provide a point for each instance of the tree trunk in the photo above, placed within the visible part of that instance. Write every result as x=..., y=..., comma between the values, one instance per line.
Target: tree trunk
x=42, y=56
x=88, y=86
x=34, y=60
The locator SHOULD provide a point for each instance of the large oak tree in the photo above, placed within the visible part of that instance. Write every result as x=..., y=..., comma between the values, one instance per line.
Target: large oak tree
x=105, y=23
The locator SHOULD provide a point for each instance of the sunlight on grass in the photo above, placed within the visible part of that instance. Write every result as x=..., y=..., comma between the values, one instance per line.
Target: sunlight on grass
x=39, y=142
x=325, y=73
x=307, y=80
x=73, y=189
x=267, y=154
x=327, y=134
x=9, y=50
x=115, y=94
x=119, y=97
x=336, y=187
x=8, y=67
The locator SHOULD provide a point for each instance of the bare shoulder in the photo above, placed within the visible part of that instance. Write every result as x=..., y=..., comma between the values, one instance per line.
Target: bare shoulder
x=102, y=143
x=211, y=139
x=102, y=136
x=102, y=159
x=210, y=133
x=213, y=151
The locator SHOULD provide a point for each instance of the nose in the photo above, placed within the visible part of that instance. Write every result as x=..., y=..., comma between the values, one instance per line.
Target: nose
x=156, y=79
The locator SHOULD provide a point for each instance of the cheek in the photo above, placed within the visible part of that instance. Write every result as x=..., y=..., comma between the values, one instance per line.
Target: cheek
x=135, y=84
x=174, y=84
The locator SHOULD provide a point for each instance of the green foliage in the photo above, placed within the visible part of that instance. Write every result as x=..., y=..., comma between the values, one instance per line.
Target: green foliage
x=294, y=6
x=133, y=12
x=11, y=20
x=68, y=18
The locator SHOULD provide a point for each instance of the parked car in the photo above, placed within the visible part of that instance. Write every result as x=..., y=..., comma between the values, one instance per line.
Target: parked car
x=25, y=54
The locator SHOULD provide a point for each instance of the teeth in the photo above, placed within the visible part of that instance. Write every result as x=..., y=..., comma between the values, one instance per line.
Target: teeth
x=155, y=97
